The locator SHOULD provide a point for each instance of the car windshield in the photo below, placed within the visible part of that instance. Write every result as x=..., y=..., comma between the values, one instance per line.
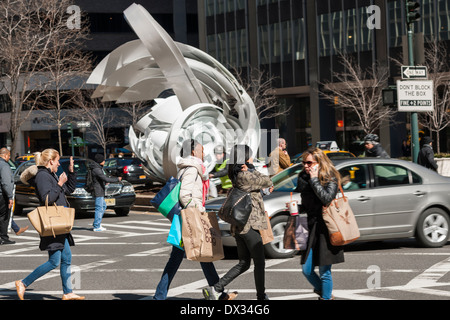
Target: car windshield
x=286, y=180
x=79, y=167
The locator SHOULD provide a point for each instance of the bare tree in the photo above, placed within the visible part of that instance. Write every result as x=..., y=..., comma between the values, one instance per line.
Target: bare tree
x=99, y=114
x=66, y=67
x=259, y=86
x=436, y=59
x=360, y=91
x=29, y=29
x=136, y=110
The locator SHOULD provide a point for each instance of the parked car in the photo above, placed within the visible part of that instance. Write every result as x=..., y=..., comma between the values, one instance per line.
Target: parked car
x=390, y=198
x=120, y=196
x=130, y=169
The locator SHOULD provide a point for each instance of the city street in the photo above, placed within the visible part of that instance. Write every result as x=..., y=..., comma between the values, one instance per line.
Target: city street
x=126, y=261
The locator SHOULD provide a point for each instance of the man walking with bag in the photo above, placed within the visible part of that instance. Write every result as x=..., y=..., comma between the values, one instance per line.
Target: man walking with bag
x=6, y=196
x=99, y=180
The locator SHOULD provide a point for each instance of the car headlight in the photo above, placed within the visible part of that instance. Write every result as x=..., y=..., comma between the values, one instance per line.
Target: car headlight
x=81, y=192
x=127, y=189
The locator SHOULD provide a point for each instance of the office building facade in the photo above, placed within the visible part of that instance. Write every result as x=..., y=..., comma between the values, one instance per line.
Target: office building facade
x=297, y=42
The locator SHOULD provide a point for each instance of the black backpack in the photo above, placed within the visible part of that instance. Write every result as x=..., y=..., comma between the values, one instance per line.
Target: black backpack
x=89, y=181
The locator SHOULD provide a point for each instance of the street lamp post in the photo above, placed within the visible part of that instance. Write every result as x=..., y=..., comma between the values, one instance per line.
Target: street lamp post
x=412, y=16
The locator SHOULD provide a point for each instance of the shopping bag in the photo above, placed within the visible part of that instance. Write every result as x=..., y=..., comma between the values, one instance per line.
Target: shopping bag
x=340, y=221
x=296, y=232
x=52, y=220
x=267, y=234
x=175, y=233
x=201, y=235
x=166, y=201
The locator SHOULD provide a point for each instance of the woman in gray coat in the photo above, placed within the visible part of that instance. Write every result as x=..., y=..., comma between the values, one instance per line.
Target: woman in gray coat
x=318, y=185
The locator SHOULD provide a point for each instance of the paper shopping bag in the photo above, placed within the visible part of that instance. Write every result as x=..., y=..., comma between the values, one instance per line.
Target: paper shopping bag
x=201, y=235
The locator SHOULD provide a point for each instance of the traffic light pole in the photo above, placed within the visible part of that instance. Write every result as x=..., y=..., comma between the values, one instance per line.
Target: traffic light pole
x=414, y=116
x=415, y=147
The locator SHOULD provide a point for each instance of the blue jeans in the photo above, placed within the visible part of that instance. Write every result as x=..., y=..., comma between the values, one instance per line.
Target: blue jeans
x=100, y=207
x=176, y=257
x=55, y=257
x=324, y=283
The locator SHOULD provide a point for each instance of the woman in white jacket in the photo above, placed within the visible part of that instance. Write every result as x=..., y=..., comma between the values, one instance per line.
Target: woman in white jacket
x=194, y=187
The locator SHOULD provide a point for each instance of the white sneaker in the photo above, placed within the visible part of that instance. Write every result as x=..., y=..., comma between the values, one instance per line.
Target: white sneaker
x=99, y=229
x=210, y=293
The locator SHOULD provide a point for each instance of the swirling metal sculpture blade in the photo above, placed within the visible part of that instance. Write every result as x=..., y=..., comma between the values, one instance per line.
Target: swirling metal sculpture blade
x=209, y=104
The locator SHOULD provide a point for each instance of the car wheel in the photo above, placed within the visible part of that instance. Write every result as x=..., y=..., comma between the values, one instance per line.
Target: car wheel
x=432, y=229
x=275, y=249
x=122, y=211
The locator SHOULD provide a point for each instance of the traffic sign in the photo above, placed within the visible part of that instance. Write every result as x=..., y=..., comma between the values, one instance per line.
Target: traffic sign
x=410, y=72
x=415, y=96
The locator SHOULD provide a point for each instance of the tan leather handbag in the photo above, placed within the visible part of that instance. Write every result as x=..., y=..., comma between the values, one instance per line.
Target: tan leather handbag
x=340, y=221
x=52, y=220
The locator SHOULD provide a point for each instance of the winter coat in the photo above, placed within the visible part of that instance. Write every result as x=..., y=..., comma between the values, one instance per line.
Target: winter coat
x=191, y=174
x=377, y=151
x=278, y=161
x=99, y=179
x=6, y=180
x=426, y=157
x=253, y=182
x=314, y=196
x=45, y=184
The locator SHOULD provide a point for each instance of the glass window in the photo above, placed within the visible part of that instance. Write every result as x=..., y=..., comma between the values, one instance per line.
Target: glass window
x=390, y=175
x=286, y=180
x=324, y=35
x=354, y=177
x=299, y=39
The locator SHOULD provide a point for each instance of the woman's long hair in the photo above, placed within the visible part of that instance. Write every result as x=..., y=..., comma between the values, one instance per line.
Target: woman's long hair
x=327, y=171
x=239, y=155
x=44, y=157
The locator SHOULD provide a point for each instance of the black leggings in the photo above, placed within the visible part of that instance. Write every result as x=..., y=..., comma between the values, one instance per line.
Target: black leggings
x=249, y=246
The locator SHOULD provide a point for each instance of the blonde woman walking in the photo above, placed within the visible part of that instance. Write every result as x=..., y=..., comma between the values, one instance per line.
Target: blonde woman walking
x=47, y=184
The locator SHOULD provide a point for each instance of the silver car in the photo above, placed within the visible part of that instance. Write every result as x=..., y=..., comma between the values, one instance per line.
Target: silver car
x=391, y=199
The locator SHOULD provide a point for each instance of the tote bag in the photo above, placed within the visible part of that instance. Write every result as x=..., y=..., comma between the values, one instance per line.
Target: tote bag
x=201, y=235
x=340, y=221
x=52, y=220
x=166, y=201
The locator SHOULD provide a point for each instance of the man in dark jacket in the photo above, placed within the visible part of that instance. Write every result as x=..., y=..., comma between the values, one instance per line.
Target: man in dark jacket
x=373, y=147
x=6, y=195
x=99, y=180
x=426, y=154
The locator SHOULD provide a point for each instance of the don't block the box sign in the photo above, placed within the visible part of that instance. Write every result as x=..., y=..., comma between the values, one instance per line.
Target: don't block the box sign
x=415, y=96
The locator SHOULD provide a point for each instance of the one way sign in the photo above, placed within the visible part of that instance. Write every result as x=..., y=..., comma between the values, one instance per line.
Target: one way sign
x=411, y=73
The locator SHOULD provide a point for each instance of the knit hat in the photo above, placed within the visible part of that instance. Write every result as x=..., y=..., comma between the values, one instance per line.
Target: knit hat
x=99, y=158
x=427, y=140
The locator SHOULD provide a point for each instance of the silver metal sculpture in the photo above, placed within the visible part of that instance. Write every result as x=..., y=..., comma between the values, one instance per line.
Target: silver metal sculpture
x=209, y=104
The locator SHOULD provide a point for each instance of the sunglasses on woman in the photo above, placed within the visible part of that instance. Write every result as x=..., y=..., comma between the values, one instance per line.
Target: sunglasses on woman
x=309, y=163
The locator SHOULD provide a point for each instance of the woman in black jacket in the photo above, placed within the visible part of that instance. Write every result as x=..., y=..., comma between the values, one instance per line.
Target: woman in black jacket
x=318, y=185
x=48, y=185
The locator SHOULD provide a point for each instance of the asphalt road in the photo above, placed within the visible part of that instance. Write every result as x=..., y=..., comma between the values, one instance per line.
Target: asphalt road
x=126, y=261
